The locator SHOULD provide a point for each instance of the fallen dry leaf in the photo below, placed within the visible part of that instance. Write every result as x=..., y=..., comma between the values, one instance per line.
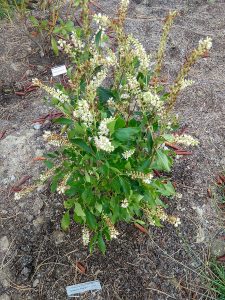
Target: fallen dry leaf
x=221, y=258
x=141, y=228
x=156, y=173
x=49, y=117
x=2, y=133
x=183, y=152
x=16, y=187
x=219, y=180
x=80, y=267
x=172, y=146
x=222, y=178
x=38, y=158
x=209, y=193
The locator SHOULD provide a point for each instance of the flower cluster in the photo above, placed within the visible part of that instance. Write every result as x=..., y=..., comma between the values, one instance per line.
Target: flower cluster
x=186, y=140
x=102, y=20
x=76, y=41
x=24, y=192
x=55, y=93
x=175, y=221
x=159, y=213
x=139, y=52
x=62, y=187
x=185, y=83
x=205, y=44
x=150, y=101
x=127, y=154
x=83, y=112
x=55, y=139
x=146, y=178
x=124, y=203
x=85, y=236
x=103, y=143
x=103, y=129
x=113, y=231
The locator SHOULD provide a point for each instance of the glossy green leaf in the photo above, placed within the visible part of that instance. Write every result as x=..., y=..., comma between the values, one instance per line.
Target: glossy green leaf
x=126, y=134
x=79, y=211
x=54, y=46
x=91, y=220
x=101, y=243
x=65, y=222
x=63, y=121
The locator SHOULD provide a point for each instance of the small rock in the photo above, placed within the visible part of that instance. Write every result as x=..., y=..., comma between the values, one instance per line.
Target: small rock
x=41, y=68
x=29, y=73
x=35, y=283
x=12, y=178
x=58, y=237
x=4, y=243
x=26, y=273
x=5, y=297
x=37, y=126
x=26, y=260
x=218, y=248
x=38, y=222
x=29, y=217
x=200, y=235
x=37, y=206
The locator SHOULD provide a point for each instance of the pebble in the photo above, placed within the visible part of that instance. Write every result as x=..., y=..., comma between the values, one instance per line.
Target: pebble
x=4, y=243
x=29, y=73
x=38, y=222
x=218, y=248
x=37, y=206
x=58, y=237
x=35, y=283
x=37, y=126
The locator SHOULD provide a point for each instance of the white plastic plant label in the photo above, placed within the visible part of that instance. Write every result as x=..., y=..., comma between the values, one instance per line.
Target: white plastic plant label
x=59, y=70
x=80, y=288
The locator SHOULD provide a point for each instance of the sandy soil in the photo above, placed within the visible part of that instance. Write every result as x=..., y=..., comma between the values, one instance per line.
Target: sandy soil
x=37, y=260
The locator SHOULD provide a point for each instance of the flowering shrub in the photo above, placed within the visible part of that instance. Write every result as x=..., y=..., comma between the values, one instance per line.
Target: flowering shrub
x=117, y=119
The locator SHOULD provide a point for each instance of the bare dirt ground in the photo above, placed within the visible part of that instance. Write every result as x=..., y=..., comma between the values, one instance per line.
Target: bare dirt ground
x=37, y=260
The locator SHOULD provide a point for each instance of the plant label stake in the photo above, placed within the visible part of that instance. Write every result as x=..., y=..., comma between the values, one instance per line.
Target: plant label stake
x=81, y=288
x=59, y=70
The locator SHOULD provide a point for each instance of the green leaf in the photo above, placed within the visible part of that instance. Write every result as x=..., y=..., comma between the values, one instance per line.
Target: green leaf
x=125, y=185
x=120, y=123
x=98, y=207
x=79, y=211
x=54, y=185
x=87, y=177
x=34, y=21
x=149, y=142
x=104, y=94
x=162, y=162
x=101, y=243
x=81, y=144
x=48, y=164
x=126, y=134
x=91, y=220
x=63, y=121
x=68, y=204
x=65, y=222
x=77, y=131
x=115, y=185
x=93, y=242
x=139, y=222
x=54, y=46
x=111, y=126
x=98, y=38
